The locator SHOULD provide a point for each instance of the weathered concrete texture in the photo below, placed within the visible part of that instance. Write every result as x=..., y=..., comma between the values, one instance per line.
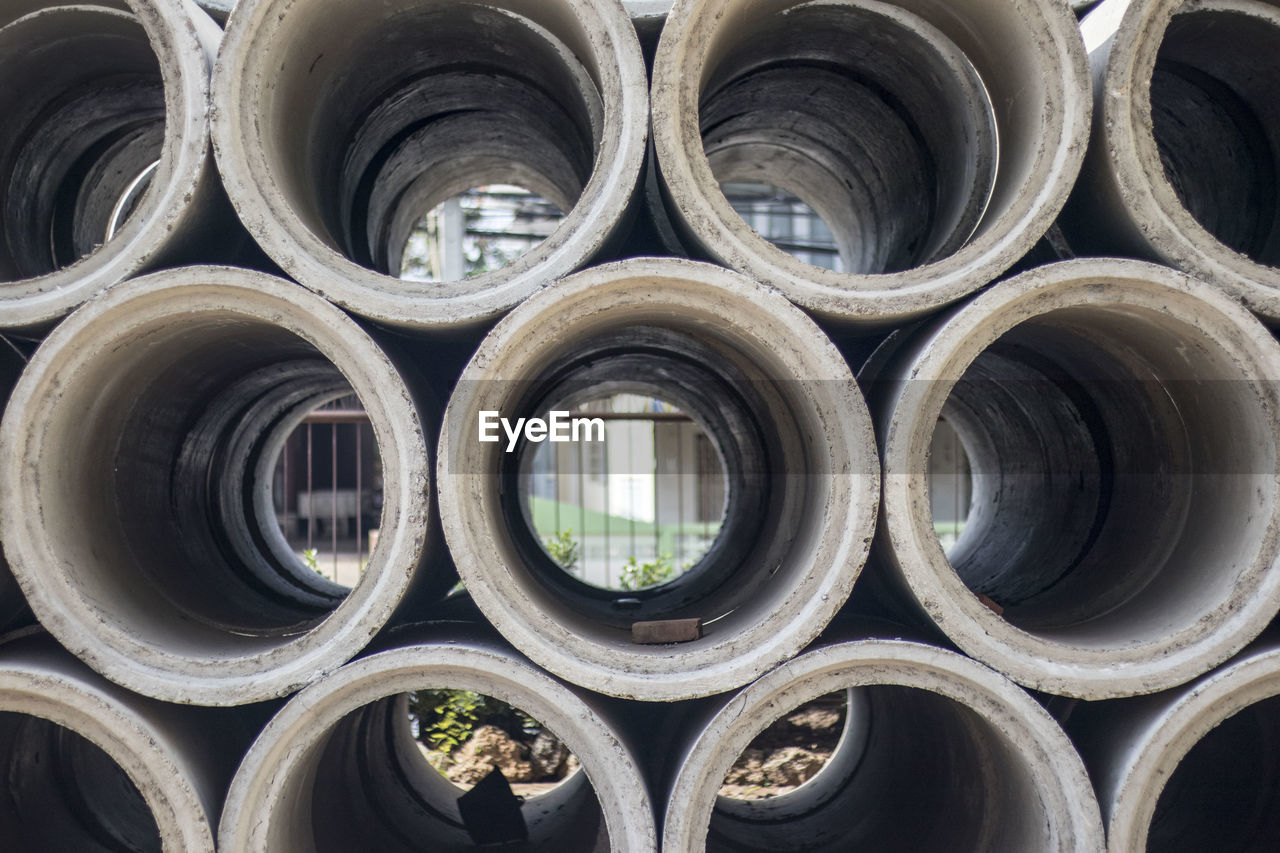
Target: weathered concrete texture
x=1183, y=165
x=338, y=128
x=775, y=397
x=338, y=768
x=968, y=127
x=12, y=361
x=1192, y=768
x=92, y=97
x=1122, y=421
x=135, y=488
x=938, y=753
x=95, y=768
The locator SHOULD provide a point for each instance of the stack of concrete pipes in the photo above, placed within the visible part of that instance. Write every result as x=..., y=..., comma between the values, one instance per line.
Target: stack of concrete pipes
x=1060, y=236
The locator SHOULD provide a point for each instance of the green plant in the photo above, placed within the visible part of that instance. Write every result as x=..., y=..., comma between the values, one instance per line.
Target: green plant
x=562, y=549
x=445, y=718
x=311, y=558
x=643, y=575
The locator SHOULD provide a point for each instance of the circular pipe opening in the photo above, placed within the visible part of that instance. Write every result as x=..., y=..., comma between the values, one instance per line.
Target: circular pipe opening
x=1186, y=171
x=788, y=425
x=1121, y=440
x=90, y=766
x=1192, y=768
x=64, y=793
x=418, y=103
x=937, y=754
x=103, y=144
x=637, y=502
x=374, y=786
x=916, y=141
x=339, y=768
x=87, y=118
x=1216, y=124
x=466, y=736
x=803, y=748
x=865, y=113
x=1225, y=791
x=158, y=553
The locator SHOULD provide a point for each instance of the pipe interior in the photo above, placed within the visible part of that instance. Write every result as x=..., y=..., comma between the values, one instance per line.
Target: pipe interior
x=63, y=793
x=1217, y=124
x=1120, y=472
x=366, y=785
x=165, y=522
x=1225, y=793
x=382, y=114
x=914, y=771
x=84, y=107
x=770, y=514
x=880, y=126
x=671, y=468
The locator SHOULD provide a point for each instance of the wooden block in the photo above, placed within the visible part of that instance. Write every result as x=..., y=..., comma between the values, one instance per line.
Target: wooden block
x=666, y=631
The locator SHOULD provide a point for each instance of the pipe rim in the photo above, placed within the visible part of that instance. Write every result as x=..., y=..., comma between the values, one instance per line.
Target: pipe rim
x=308, y=717
x=1037, y=662
x=796, y=350
x=1175, y=235
x=156, y=669
x=1063, y=781
x=268, y=215
x=880, y=298
x=1167, y=739
x=173, y=36
x=124, y=735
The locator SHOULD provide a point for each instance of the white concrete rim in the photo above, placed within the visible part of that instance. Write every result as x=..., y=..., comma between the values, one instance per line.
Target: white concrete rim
x=1053, y=762
x=883, y=298
x=784, y=336
x=308, y=717
x=135, y=745
x=108, y=647
x=264, y=210
x=1025, y=657
x=184, y=157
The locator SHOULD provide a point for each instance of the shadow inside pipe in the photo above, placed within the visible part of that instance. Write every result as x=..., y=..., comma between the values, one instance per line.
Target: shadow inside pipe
x=1225, y=793
x=1217, y=126
x=63, y=793
x=381, y=780
x=84, y=128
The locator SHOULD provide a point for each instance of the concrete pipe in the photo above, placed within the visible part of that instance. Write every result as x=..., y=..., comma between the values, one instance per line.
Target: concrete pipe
x=775, y=401
x=936, y=141
x=1185, y=157
x=338, y=769
x=91, y=767
x=339, y=127
x=1120, y=423
x=105, y=167
x=938, y=753
x=135, y=489
x=12, y=361
x=1193, y=768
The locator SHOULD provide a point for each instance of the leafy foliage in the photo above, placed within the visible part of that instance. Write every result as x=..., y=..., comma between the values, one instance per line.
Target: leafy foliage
x=649, y=573
x=446, y=719
x=562, y=549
